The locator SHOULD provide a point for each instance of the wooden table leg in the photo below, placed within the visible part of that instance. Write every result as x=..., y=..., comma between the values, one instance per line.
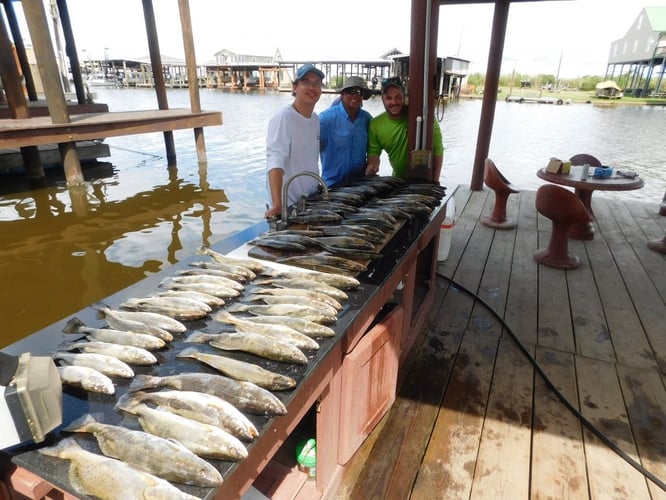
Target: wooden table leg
x=583, y=231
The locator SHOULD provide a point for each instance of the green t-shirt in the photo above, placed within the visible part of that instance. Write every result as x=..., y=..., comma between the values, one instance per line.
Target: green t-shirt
x=391, y=136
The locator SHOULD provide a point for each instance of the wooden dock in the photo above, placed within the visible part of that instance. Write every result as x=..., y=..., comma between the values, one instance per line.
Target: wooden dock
x=475, y=419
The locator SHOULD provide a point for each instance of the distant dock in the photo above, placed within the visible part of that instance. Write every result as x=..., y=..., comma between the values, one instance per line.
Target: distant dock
x=536, y=99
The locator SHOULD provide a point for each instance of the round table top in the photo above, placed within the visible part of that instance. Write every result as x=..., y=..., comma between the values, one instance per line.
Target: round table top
x=613, y=183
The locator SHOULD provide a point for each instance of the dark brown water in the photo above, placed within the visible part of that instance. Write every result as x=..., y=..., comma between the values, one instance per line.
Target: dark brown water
x=62, y=249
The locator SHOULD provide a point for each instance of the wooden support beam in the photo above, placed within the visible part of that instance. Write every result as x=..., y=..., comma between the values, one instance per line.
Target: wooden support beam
x=490, y=92
x=18, y=107
x=70, y=50
x=20, y=49
x=192, y=76
x=158, y=73
x=50, y=75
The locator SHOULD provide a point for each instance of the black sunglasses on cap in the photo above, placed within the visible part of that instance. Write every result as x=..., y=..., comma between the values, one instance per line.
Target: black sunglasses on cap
x=394, y=80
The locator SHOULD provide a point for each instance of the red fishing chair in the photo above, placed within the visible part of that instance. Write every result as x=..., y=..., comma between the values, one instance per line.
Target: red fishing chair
x=494, y=179
x=564, y=209
x=583, y=159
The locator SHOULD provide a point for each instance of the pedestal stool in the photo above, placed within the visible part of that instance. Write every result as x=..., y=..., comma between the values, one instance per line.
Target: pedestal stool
x=494, y=179
x=563, y=208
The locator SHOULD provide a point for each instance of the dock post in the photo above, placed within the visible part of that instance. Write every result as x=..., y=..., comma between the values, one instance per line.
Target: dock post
x=48, y=69
x=192, y=76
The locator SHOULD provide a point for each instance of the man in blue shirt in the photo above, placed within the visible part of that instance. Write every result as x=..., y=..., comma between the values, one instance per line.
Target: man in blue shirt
x=344, y=134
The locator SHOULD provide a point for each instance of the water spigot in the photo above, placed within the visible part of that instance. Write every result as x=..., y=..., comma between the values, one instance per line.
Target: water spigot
x=285, y=191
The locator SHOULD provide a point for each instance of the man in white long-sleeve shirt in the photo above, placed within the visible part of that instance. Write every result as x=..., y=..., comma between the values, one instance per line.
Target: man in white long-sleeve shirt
x=292, y=141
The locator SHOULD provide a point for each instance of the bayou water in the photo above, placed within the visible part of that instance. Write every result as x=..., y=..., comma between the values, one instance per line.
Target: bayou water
x=62, y=249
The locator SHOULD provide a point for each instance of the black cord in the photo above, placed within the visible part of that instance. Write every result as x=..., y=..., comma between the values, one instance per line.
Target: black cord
x=559, y=395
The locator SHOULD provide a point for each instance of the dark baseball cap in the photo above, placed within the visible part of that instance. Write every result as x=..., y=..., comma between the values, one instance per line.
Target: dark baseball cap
x=394, y=80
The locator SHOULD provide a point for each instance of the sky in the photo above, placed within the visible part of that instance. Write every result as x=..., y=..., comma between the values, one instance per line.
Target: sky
x=572, y=36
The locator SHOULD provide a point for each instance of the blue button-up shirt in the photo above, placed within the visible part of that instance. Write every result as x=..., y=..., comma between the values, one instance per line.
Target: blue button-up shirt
x=343, y=144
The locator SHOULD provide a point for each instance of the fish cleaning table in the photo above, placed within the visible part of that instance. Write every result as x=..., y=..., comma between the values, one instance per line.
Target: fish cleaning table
x=392, y=302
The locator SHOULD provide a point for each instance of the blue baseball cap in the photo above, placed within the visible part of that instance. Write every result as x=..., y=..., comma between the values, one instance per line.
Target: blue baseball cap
x=308, y=68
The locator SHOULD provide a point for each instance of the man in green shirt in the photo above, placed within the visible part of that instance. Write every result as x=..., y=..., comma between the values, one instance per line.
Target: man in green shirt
x=388, y=132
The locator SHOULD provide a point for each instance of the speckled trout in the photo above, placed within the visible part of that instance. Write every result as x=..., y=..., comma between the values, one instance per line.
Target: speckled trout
x=199, y=406
x=246, y=396
x=240, y=370
x=205, y=440
x=164, y=458
x=108, y=478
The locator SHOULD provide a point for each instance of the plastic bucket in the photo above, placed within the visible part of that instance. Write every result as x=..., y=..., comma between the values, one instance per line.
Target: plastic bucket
x=445, y=231
x=306, y=456
x=445, y=239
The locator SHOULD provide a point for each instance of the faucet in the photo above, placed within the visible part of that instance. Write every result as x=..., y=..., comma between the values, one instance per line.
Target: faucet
x=285, y=191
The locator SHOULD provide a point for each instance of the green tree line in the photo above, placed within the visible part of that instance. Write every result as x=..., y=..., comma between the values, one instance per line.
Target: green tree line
x=585, y=83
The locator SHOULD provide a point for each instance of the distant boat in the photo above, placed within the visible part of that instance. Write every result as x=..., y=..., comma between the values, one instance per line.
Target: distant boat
x=95, y=80
x=608, y=90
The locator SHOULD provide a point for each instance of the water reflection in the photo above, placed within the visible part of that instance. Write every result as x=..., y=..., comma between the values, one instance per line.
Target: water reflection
x=63, y=248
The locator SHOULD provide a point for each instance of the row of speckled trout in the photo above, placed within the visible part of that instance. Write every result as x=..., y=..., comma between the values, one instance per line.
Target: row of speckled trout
x=195, y=416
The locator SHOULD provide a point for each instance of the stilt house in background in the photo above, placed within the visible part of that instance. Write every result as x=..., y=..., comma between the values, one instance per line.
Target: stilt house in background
x=637, y=62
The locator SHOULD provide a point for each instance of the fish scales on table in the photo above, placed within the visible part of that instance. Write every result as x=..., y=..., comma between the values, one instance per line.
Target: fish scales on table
x=253, y=343
x=86, y=378
x=122, y=337
x=303, y=292
x=208, y=287
x=295, y=310
x=108, y=365
x=276, y=331
x=205, y=440
x=165, y=458
x=241, y=370
x=292, y=299
x=108, y=478
x=241, y=262
x=180, y=308
x=246, y=396
x=206, y=298
x=198, y=406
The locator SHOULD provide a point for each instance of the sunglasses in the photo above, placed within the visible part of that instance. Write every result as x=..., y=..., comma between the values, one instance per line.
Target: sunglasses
x=394, y=80
x=353, y=91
